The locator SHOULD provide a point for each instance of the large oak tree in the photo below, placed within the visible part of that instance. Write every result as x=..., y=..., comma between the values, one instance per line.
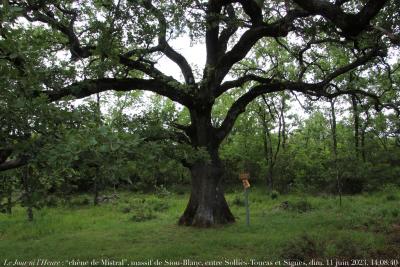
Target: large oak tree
x=114, y=45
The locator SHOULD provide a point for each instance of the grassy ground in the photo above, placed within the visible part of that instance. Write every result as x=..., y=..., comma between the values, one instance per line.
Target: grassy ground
x=142, y=227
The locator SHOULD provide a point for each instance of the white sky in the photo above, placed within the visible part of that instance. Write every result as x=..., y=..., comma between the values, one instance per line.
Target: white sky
x=195, y=55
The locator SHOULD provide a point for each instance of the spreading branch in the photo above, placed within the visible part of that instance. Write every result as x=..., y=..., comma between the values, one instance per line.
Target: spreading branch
x=242, y=80
x=351, y=25
x=42, y=14
x=239, y=51
x=269, y=86
x=12, y=164
x=164, y=47
x=147, y=68
x=89, y=87
x=228, y=32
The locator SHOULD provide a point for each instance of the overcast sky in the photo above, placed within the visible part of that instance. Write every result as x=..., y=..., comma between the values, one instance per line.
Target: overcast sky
x=194, y=54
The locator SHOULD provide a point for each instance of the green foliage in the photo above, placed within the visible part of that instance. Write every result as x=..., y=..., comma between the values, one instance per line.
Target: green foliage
x=8, y=184
x=161, y=191
x=274, y=194
x=303, y=248
x=141, y=215
x=238, y=201
x=348, y=249
x=79, y=202
x=300, y=206
x=306, y=163
x=145, y=209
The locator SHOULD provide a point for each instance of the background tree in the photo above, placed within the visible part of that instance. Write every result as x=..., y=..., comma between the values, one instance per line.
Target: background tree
x=272, y=113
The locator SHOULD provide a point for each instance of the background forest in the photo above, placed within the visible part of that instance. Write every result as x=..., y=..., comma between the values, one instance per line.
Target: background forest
x=287, y=145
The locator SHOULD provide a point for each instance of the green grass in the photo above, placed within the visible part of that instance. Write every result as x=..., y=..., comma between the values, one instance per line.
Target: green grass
x=141, y=227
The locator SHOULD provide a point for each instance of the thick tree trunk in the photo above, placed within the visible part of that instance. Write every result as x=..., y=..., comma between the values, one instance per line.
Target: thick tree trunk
x=207, y=205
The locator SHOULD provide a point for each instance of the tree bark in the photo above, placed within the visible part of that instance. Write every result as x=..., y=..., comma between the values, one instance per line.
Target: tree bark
x=207, y=205
x=363, y=133
x=267, y=143
x=270, y=176
x=363, y=153
x=356, y=125
x=282, y=115
x=335, y=151
x=9, y=200
x=96, y=190
x=270, y=155
x=30, y=212
x=27, y=193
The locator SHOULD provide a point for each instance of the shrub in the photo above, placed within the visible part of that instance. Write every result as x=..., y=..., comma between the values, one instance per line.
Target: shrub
x=79, y=202
x=141, y=215
x=395, y=213
x=391, y=197
x=302, y=248
x=85, y=201
x=161, y=191
x=157, y=205
x=126, y=209
x=274, y=194
x=52, y=201
x=180, y=189
x=298, y=206
x=144, y=209
x=347, y=248
x=238, y=201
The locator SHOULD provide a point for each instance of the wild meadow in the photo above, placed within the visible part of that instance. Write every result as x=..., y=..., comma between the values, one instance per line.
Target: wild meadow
x=141, y=227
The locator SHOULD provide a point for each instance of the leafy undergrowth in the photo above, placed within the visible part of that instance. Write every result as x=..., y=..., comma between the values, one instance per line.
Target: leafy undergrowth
x=139, y=227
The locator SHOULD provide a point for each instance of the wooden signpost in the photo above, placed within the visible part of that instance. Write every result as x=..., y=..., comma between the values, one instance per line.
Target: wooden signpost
x=245, y=176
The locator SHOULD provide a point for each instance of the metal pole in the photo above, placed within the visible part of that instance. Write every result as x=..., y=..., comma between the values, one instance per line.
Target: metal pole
x=246, y=200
